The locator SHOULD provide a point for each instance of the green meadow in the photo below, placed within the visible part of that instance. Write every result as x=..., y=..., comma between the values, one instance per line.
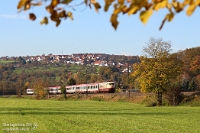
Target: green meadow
x=53, y=116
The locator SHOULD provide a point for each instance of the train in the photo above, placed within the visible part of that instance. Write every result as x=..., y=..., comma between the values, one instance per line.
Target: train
x=102, y=87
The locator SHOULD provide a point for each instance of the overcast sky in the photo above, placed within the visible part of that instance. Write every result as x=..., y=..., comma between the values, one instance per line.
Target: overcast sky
x=90, y=32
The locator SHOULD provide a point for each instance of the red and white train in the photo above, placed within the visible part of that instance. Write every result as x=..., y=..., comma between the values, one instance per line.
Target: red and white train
x=92, y=88
x=103, y=87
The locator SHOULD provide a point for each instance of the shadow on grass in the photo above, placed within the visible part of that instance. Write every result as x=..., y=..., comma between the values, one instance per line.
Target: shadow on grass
x=62, y=111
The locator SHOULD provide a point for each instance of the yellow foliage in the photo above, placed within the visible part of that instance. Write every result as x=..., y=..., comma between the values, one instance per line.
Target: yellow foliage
x=178, y=6
x=114, y=21
x=26, y=84
x=133, y=9
x=44, y=21
x=161, y=4
x=117, y=10
x=188, y=2
x=97, y=6
x=169, y=17
x=69, y=14
x=66, y=1
x=129, y=7
x=154, y=74
x=121, y=1
x=107, y=4
x=197, y=3
x=54, y=3
x=190, y=9
x=145, y=15
x=21, y=4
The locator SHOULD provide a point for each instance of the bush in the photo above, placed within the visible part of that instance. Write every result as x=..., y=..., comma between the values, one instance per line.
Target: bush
x=193, y=100
x=149, y=101
x=173, y=95
x=97, y=98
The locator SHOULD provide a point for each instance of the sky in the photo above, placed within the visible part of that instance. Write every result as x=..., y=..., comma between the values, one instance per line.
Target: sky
x=90, y=32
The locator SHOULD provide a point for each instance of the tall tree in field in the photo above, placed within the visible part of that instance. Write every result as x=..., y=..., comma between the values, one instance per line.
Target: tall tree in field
x=157, y=68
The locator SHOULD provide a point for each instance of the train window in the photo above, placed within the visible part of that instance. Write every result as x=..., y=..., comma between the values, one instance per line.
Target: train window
x=88, y=87
x=111, y=83
x=77, y=87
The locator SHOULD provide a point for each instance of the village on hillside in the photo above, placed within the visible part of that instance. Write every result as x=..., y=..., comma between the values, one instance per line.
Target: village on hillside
x=120, y=61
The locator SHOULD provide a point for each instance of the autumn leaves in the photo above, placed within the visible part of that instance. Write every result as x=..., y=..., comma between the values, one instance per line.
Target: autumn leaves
x=56, y=13
x=145, y=8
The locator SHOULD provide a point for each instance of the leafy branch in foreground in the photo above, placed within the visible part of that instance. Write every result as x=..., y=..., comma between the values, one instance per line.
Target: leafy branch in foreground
x=146, y=8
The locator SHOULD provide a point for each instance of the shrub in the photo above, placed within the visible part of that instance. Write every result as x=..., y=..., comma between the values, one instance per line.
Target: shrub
x=173, y=95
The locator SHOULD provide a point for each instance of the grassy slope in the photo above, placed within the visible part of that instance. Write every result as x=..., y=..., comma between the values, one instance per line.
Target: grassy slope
x=6, y=61
x=72, y=68
x=93, y=116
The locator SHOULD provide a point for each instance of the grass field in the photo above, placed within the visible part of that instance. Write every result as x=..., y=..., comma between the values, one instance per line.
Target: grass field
x=73, y=68
x=6, y=61
x=52, y=116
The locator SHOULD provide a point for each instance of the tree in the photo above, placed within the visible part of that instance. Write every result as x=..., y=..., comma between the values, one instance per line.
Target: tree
x=195, y=65
x=146, y=8
x=197, y=81
x=71, y=81
x=19, y=87
x=157, y=68
x=173, y=95
x=79, y=77
x=190, y=58
x=63, y=89
x=39, y=88
x=192, y=86
x=104, y=73
x=185, y=85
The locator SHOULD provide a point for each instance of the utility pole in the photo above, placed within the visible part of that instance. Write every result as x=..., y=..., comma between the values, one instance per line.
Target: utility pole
x=86, y=83
x=119, y=75
x=3, y=88
x=129, y=89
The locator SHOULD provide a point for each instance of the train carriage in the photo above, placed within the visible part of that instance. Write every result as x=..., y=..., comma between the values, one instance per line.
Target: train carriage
x=71, y=89
x=29, y=91
x=93, y=88
x=54, y=90
x=82, y=88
